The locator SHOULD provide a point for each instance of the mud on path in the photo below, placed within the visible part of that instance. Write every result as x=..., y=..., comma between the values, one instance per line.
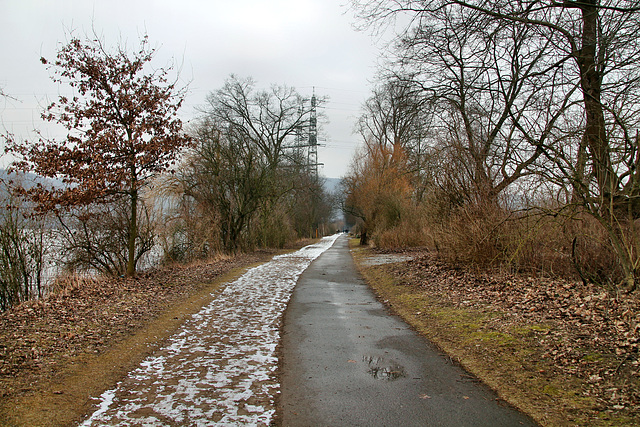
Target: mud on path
x=58, y=355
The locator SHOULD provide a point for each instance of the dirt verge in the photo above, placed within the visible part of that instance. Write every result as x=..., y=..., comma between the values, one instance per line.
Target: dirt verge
x=57, y=353
x=565, y=353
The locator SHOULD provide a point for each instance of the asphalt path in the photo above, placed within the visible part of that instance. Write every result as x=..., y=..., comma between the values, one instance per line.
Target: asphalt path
x=346, y=361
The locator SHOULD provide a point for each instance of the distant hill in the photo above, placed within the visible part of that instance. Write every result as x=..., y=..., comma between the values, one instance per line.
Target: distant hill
x=332, y=185
x=28, y=179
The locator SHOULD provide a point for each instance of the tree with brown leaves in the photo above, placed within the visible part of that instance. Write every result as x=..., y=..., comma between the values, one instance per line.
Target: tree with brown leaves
x=122, y=126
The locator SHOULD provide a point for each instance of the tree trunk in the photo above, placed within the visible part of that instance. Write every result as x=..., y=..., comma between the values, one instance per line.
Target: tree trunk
x=591, y=85
x=579, y=182
x=625, y=257
x=364, y=238
x=133, y=234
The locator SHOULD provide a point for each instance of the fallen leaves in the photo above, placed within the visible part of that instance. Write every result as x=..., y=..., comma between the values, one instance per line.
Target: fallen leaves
x=37, y=338
x=583, y=331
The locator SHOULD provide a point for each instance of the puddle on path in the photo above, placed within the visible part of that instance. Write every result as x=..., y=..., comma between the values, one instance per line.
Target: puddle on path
x=383, y=369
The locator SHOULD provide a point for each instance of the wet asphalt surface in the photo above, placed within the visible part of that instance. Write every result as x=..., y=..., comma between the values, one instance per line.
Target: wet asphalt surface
x=345, y=361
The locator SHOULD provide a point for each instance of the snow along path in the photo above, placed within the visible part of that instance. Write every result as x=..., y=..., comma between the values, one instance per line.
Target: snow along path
x=220, y=368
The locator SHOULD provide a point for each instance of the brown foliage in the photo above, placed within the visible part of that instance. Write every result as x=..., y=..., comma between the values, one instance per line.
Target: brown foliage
x=122, y=128
x=378, y=189
x=487, y=234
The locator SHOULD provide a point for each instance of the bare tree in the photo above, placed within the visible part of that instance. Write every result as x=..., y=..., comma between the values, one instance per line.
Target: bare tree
x=246, y=166
x=23, y=247
x=576, y=91
x=483, y=80
x=396, y=117
x=267, y=119
x=228, y=174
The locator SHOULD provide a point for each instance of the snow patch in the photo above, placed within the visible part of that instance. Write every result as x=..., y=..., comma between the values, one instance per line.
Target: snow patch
x=381, y=259
x=219, y=369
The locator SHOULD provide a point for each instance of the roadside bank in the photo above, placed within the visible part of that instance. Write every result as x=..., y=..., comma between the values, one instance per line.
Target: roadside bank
x=58, y=353
x=565, y=353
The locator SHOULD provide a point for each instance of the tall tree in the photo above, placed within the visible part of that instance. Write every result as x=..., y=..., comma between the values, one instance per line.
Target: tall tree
x=122, y=126
x=247, y=159
x=590, y=56
x=266, y=119
x=396, y=118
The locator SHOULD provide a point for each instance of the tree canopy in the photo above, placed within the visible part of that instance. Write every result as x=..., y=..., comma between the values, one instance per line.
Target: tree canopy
x=122, y=129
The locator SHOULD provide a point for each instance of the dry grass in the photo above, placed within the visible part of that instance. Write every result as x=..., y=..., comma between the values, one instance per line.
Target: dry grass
x=408, y=229
x=487, y=235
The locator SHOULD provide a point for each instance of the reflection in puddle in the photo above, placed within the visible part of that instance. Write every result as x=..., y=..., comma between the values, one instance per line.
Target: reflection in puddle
x=381, y=369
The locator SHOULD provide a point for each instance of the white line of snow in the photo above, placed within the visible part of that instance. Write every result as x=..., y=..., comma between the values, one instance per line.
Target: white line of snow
x=219, y=369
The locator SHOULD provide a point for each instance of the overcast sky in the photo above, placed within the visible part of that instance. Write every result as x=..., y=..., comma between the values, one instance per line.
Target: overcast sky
x=300, y=43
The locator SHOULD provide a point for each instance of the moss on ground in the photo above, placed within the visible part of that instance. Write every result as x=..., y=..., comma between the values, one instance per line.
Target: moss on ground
x=507, y=359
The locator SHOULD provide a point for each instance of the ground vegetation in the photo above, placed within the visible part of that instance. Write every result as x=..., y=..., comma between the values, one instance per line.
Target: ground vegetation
x=564, y=352
x=59, y=352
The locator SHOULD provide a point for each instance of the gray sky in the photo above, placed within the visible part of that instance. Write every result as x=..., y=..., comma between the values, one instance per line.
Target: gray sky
x=300, y=43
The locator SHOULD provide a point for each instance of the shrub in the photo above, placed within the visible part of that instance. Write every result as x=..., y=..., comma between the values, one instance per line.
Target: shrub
x=95, y=238
x=22, y=256
x=406, y=230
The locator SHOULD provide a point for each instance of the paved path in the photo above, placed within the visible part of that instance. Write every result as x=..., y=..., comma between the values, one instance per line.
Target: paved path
x=220, y=368
x=347, y=362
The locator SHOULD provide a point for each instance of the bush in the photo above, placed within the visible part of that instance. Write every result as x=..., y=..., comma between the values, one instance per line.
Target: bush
x=188, y=234
x=22, y=256
x=474, y=233
x=592, y=254
x=271, y=229
x=406, y=230
x=487, y=234
x=95, y=238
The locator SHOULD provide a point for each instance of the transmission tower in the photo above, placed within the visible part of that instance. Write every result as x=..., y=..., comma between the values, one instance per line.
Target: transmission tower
x=299, y=144
x=306, y=141
x=312, y=154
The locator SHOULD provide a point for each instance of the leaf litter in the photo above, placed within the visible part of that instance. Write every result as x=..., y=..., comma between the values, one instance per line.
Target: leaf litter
x=87, y=315
x=581, y=331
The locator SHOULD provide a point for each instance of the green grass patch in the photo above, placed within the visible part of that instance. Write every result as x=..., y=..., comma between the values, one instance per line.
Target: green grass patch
x=593, y=357
x=551, y=390
x=495, y=338
x=531, y=330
